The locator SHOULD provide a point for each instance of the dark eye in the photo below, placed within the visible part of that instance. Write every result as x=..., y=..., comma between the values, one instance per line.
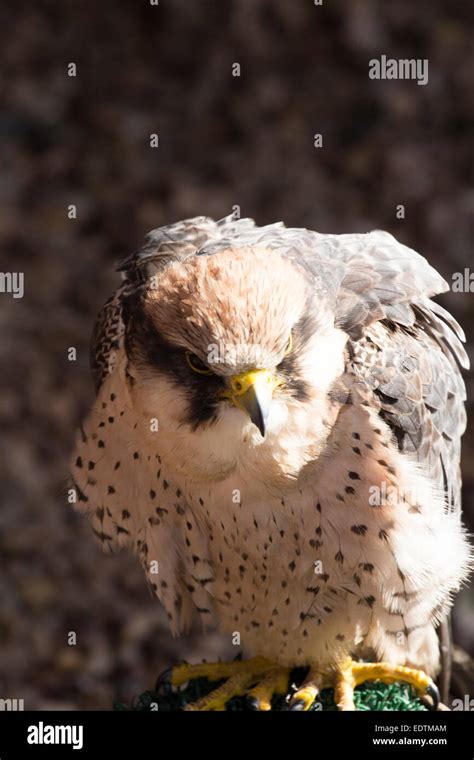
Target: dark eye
x=197, y=365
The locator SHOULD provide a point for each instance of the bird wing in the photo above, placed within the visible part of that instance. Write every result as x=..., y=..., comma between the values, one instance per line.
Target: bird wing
x=406, y=348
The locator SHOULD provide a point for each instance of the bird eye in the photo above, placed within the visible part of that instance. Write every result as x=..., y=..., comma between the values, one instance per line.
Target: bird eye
x=197, y=365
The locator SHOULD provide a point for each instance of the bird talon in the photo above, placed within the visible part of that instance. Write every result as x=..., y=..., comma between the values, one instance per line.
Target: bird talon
x=164, y=679
x=432, y=691
x=252, y=703
x=352, y=674
x=305, y=695
x=297, y=705
x=257, y=678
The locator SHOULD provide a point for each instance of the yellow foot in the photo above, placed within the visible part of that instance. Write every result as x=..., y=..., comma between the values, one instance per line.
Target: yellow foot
x=305, y=695
x=351, y=673
x=258, y=678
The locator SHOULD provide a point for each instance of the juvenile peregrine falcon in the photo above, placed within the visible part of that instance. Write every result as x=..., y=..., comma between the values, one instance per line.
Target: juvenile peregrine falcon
x=276, y=434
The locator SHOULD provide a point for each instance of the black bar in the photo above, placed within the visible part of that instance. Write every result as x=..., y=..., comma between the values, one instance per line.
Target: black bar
x=132, y=734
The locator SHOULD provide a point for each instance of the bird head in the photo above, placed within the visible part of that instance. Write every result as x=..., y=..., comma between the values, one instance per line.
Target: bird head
x=236, y=344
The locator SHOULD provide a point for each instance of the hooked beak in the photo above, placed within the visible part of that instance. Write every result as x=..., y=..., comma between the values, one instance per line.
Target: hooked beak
x=252, y=392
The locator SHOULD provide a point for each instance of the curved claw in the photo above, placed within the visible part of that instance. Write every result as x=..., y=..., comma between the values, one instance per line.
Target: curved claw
x=433, y=692
x=253, y=703
x=304, y=697
x=297, y=705
x=164, y=679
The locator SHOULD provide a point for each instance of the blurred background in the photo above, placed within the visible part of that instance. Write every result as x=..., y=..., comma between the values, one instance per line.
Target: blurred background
x=223, y=141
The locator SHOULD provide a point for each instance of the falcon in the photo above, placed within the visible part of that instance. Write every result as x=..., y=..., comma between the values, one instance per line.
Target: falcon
x=276, y=435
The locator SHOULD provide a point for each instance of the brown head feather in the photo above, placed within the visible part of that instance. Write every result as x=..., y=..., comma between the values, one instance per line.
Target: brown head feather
x=245, y=301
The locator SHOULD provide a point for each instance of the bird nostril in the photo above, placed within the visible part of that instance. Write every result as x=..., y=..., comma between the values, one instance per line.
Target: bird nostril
x=238, y=386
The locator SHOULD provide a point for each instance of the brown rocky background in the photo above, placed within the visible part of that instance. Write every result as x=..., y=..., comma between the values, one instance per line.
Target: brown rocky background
x=223, y=141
